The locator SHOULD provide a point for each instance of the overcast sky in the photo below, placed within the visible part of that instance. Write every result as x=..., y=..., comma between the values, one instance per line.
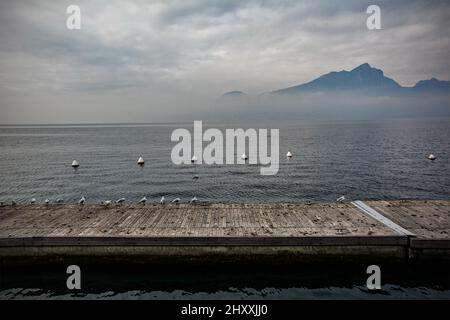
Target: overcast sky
x=151, y=61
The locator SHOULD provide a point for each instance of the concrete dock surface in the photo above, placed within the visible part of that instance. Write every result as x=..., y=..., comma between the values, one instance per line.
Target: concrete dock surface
x=393, y=230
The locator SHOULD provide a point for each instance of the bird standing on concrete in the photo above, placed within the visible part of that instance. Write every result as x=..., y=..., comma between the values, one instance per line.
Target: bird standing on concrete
x=82, y=200
x=193, y=200
x=143, y=200
x=106, y=203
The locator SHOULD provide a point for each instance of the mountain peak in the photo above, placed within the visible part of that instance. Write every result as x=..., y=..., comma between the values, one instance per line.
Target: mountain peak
x=433, y=84
x=363, y=77
x=364, y=66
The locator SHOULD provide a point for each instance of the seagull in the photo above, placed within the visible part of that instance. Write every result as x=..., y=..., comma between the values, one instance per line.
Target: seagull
x=82, y=200
x=289, y=154
x=121, y=200
x=163, y=200
x=340, y=199
x=47, y=201
x=431, y=157
x=59, y=200
x=32, y=201
x=193, y=200
x=141, y=161
x=143, y=200
x=244, y=156
x=194, y=159
x=106, y=203
x=176, y=200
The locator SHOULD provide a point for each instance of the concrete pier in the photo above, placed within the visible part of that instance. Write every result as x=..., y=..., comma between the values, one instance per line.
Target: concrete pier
x=273, y=233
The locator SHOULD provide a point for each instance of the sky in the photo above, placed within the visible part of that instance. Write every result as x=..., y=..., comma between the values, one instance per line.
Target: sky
x=156, y=61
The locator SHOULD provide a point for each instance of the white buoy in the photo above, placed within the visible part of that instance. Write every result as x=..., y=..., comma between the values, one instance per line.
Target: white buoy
x=244, y=157
x=176, y=200
x=194, y=159
x=432, y=157
x=289, y=154
x=33, y=201
x=82, y=200
x=143, y=200
x=120, y=201
x=163, y=200
x=75, y=164
x=141, y=161
x=193, y=200
x=340, y=199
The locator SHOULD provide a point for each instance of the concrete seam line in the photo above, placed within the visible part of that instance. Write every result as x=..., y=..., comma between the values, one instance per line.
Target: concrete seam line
x=380, y=218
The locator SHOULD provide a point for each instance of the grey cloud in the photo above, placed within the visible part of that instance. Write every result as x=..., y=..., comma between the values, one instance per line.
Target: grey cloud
x=168, y=51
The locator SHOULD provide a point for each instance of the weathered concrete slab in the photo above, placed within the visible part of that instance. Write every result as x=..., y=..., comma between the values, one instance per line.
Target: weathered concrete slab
x=335, y=230
x=428, y=220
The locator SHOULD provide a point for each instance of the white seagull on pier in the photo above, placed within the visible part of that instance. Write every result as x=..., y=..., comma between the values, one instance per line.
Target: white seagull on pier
x=431, y=157
x=106, y=203
x=82, y=200
x=143, y=200
x=47, y=201
x=163, y=200
x=244, y=157
x=176, y=200
x=120, y=201
x=33, y=201
x=59, y=200
x=340, y=199
x=193, y=200
x=194, y=159
x=289, y=154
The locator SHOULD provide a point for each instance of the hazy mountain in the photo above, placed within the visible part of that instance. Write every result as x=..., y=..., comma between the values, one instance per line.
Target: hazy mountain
x=234, y=94
x=432, y=85
x=363, y=78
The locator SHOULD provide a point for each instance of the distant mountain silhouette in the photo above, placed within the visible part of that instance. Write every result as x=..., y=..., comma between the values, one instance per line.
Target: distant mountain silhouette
x=362, y=78
x=234, y=94
x=432, y=85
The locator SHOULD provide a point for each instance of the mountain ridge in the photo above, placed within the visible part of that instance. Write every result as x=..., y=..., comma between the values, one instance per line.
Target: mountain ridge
x=363, y=78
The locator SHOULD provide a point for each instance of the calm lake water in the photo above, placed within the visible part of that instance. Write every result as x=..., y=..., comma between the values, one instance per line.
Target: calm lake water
x=361, y=160
x=336, y=281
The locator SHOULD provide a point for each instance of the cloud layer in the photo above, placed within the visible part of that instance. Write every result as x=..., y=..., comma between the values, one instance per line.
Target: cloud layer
x=163, y=60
